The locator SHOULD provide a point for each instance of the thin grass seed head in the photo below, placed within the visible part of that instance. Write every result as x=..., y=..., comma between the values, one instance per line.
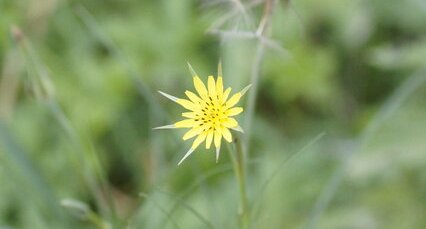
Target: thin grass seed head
x=210, y=112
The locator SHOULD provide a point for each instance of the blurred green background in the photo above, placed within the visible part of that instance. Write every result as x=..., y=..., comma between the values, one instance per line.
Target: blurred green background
x=337, y=136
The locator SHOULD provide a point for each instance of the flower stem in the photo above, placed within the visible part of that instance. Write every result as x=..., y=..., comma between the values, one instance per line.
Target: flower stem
x=236, y=153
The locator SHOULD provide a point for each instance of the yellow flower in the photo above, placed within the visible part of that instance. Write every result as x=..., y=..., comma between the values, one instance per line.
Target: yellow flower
x=210, y=113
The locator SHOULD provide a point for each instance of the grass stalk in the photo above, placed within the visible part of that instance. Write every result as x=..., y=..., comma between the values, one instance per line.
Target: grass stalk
x=43, y=88
x=239, y=150
x=256, y=70
x=238, y=160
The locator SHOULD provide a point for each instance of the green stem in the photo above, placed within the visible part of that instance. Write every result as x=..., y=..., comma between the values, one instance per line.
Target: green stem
x=237, y=157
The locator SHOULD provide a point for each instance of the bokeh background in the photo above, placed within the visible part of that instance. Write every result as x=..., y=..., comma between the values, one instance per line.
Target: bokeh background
x=336, y=138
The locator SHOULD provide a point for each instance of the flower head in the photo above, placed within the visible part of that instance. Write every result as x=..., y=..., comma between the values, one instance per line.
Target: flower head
x=210, y=113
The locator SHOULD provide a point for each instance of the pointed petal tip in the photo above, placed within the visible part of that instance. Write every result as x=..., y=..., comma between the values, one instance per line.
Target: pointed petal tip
x=186, y=155
x=161, y=93
x=246, y=89
x=217, y=154
x=193, y=73
x=171, y=97
x=238, y=128
x=219, y=68
x=171, y=126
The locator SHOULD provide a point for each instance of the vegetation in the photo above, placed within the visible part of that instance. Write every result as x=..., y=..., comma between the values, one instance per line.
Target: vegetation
x=334, y=121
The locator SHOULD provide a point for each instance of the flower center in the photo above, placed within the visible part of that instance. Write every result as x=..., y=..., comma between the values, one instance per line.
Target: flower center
x=212, y=115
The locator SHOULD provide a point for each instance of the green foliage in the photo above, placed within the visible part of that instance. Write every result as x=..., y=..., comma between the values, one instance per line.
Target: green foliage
x=78, y=103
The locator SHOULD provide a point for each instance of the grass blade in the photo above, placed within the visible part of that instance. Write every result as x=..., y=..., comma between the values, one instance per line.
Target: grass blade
x=256, y=202
x=182, y=203
x=167, y=213
x=19, y=162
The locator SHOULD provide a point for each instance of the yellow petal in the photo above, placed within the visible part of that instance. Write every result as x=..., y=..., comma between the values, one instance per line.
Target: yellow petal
x=193, y=97
x=209, y=139
x=217, y=139
x=227, y=134
x=192, y=133
x=233, y=100
x=200, y=87
x=186, y=123
x=230, y=123
x=187, y=104
x=218, y=128
x=198, y=140
x=226, y=94
x=219, y=87
x=212, y=87
x=234, y=111
x=191, y=115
